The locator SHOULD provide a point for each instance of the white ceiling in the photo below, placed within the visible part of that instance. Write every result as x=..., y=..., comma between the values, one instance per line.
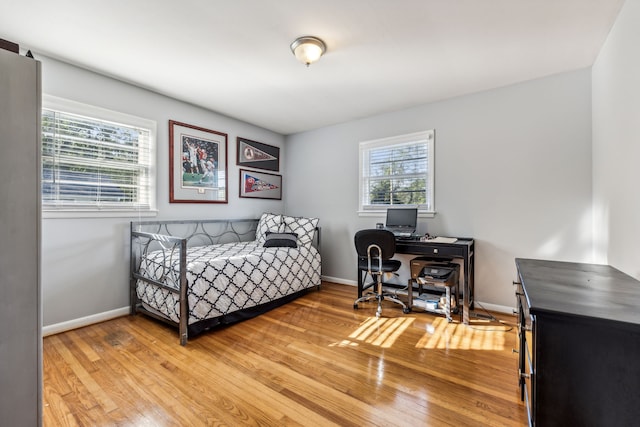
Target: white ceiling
x=233, y=57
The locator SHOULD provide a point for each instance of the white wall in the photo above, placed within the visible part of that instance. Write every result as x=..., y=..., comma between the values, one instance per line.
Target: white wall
x=85, y=264
x=513, y=171
x=616, y=145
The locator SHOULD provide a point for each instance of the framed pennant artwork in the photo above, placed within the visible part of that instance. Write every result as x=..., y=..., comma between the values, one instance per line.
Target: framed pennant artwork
x=260, y=185
x=197, y=164
x=257, y=155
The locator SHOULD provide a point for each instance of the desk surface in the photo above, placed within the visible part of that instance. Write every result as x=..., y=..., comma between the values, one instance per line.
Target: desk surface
x=418, y=239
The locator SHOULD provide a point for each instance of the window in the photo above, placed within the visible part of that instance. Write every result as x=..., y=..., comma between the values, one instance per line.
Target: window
x=397, y=171
x=96, y=160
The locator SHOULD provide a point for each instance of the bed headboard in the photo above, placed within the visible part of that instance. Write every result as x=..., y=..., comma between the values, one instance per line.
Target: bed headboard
x=202, y=232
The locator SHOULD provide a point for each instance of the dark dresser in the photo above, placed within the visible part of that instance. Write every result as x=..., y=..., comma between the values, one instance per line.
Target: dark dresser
x=579, y=344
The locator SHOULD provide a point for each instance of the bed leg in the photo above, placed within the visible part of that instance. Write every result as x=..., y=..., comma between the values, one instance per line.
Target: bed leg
x=184, y=333
x=184, y=307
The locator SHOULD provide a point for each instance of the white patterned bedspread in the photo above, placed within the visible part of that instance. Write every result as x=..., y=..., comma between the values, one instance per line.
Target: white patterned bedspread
x=225, y=278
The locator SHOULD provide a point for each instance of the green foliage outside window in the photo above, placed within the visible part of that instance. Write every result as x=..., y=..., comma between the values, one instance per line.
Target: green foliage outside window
x=89, y=161
x=397, y=175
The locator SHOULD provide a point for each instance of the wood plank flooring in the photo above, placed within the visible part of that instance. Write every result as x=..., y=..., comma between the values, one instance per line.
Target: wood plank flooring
x=313, y=362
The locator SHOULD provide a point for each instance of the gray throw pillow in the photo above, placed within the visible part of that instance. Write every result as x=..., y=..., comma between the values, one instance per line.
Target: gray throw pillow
x=281, y=240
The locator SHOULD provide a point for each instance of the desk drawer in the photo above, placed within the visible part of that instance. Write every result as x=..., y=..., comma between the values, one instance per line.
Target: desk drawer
x=439, y=250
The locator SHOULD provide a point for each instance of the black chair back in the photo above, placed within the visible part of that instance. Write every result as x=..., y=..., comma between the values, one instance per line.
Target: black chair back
x=383, y=238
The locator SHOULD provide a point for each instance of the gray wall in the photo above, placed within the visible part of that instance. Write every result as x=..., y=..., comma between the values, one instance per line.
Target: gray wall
x=513, y=171
x=85, y=264
x=616, y=147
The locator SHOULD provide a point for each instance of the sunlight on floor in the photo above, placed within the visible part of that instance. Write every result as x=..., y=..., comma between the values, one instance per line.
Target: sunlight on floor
x=382, y=332
x=480, y=335
x=439, y=334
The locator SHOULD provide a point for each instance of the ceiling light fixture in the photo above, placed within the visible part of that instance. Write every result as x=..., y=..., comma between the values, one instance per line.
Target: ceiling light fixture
x=308, y=49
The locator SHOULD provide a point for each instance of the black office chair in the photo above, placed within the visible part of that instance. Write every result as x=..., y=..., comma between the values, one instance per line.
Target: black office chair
x=375, y=248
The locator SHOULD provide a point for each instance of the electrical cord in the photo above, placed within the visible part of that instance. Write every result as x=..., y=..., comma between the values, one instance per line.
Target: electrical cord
x=491, y=318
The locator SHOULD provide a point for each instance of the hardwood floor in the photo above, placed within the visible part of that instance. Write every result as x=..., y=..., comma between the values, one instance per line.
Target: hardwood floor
x=313, y=362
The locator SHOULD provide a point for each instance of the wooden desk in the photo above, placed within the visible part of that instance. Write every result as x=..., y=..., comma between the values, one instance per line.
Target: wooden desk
x=461, y=249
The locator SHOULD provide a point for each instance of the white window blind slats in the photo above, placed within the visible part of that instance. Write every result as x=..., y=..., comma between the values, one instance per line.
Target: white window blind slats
x=397, y=171
x=92, y=163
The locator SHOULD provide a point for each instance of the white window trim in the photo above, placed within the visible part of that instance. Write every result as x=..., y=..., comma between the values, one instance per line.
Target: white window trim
x=61, y=104
x=428, y=135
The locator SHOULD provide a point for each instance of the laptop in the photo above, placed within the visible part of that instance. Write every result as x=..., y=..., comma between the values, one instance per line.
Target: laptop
x=402, y=221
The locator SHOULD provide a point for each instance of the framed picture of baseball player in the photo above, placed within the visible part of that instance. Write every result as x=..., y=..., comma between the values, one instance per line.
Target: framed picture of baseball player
x=257, y=155
x=260, y=185
x=197, y=164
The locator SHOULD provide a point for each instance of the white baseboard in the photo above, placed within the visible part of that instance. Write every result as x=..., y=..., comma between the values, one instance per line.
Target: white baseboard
x=84, y=321
x=339, y=281
x=479, y=305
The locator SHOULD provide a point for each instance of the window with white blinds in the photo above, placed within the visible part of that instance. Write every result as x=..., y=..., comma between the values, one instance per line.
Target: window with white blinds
x=397, y=171
x=95, y=159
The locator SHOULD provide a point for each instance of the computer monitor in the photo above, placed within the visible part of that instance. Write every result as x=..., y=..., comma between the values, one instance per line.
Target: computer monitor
x=402, y=219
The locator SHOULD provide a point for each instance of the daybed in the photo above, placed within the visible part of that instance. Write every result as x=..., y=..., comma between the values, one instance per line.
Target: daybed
x=200, y=274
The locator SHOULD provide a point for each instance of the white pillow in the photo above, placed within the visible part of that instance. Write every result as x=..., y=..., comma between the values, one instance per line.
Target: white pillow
x=305, y=228
x=268, y=222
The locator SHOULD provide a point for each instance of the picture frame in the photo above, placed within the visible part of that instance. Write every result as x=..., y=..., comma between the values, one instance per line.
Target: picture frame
x=257, y=155
x=260, y=185
x=197, y=164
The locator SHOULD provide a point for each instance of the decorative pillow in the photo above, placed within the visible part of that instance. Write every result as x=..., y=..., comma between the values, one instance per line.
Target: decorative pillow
x=281, y=240
x=268, y=222
x=305, y=228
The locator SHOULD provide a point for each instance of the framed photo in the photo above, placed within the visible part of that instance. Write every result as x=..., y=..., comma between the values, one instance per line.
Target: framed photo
x=257, y=155
x=260, y=185
x=197, y=164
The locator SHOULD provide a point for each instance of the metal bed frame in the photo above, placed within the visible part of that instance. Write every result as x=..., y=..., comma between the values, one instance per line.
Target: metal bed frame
x=173, y=238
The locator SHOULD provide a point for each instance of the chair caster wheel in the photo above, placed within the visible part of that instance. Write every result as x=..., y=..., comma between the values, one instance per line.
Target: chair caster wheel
x=406, y=310
x=355, y=306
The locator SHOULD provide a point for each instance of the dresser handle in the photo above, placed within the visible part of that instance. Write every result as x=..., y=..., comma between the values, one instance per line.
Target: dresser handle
x=513, y=350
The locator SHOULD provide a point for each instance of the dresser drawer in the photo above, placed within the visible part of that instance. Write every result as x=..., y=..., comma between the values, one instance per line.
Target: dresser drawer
x=526, y=372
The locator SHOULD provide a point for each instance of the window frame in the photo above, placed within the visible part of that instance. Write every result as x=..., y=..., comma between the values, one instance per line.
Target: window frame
x=62, y=105
x=428, y=136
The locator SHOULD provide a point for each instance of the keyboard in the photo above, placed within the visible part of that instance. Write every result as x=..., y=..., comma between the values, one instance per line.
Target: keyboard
x=402, y=234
